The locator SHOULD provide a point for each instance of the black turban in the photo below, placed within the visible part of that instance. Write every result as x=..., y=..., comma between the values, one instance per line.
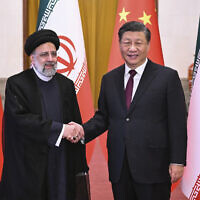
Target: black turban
x=39, y=37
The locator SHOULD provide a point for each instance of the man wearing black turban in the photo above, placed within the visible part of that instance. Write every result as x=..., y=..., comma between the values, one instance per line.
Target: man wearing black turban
x=39, y=162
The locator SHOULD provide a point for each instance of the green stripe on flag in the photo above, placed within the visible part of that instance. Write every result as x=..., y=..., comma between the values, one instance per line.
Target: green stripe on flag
x=198, y=43
x=45, y=9
x=197, y=56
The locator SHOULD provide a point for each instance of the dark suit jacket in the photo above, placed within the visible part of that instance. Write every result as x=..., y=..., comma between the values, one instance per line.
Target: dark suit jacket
x=153, y=130
x=26, y=138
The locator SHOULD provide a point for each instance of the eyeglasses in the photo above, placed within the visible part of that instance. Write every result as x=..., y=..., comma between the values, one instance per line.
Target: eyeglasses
x=46, y=54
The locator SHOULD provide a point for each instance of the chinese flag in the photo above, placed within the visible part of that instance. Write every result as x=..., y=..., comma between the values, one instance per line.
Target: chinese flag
x=142, y=11
x=1, y=152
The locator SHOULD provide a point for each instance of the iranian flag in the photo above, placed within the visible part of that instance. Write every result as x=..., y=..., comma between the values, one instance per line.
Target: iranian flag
x=63, y=17
x=191, y=179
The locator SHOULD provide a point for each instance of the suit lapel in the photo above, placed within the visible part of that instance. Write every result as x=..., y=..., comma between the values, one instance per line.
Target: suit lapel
x=119, y=82
x=147, y=76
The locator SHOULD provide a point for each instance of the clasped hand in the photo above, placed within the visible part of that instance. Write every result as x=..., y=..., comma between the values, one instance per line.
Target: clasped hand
x=73, y=132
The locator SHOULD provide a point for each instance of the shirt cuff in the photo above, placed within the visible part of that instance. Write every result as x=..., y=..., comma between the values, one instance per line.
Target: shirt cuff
x=60, y=137
x=176, y=164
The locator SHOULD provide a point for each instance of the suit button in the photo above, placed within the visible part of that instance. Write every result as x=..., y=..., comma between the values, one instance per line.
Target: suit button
x=127, y=119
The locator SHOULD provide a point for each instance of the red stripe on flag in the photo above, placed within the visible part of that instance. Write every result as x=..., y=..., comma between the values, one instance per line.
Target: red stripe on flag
x=195, y=194
x=84, y=97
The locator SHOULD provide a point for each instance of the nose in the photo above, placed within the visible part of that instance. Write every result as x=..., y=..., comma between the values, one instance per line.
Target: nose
x=132, y=47
x=50, y=57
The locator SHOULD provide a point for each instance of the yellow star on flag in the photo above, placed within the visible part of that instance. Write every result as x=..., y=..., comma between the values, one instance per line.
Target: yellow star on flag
x=123, y=15
x=145, y=18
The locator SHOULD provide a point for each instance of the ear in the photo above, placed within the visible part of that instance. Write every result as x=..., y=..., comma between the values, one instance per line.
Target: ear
x=148, y=47
x=120, y=46
x=32, y=58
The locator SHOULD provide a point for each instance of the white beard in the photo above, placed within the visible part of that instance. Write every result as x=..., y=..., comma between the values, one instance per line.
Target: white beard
x=46, y=72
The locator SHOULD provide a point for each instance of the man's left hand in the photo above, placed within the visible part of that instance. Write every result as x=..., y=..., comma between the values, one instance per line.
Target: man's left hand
x=176, y=172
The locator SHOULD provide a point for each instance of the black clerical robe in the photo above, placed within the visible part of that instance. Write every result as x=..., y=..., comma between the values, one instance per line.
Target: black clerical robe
x=29, y=138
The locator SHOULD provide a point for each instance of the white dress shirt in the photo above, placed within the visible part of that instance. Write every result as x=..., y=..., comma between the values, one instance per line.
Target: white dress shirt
x=136, y=78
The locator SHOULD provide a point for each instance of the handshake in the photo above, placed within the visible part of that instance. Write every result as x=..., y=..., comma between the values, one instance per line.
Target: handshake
x=73, y=132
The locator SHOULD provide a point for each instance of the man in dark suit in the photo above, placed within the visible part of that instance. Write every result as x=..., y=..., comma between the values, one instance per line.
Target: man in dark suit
x=39, y=163
x=144, y=112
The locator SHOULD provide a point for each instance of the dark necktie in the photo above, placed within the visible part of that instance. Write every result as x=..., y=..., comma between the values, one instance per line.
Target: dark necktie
x=129, y=88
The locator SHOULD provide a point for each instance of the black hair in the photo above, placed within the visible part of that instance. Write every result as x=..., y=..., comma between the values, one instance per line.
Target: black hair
x=134, y=26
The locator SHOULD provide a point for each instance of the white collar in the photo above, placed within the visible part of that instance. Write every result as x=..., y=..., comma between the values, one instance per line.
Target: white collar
x=41, y=76
x=139, y=69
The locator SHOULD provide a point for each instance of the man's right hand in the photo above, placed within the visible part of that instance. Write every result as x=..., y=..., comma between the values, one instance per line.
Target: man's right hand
x=73, y=132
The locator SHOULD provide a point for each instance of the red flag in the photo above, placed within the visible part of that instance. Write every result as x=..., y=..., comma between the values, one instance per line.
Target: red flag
x=1, y=152
x=142, y=11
